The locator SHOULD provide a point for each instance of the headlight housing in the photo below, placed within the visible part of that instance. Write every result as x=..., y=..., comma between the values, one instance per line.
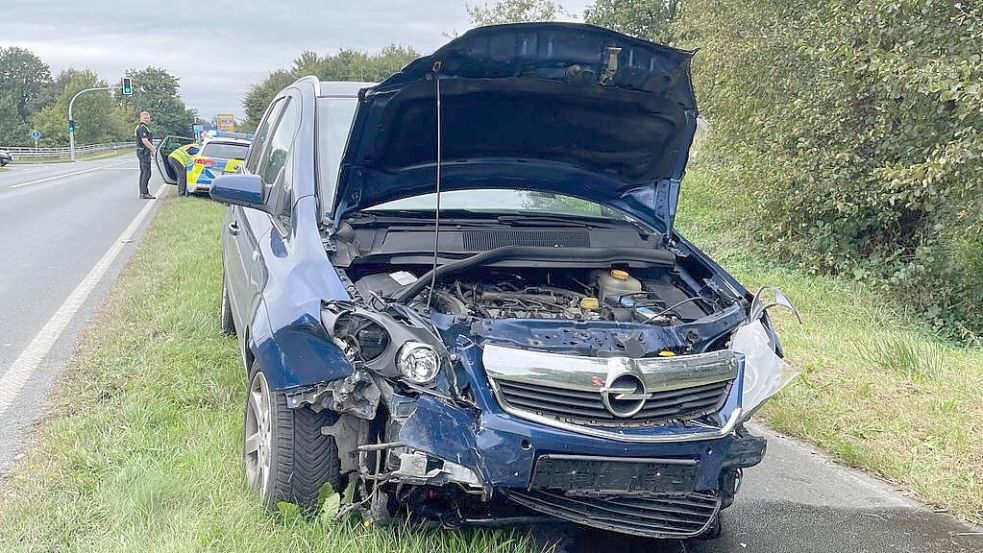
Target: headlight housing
x=418, y=362
x=365, y=339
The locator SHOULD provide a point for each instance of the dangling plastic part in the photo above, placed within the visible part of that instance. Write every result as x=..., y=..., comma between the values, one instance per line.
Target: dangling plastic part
x=765, y=373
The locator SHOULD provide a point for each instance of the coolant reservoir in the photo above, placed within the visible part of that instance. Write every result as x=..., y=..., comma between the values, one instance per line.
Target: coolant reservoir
x=616, y=283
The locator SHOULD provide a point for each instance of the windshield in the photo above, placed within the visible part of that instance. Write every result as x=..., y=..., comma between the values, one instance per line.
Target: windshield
x=502, y=202
x=334, y=122
x=220, y=150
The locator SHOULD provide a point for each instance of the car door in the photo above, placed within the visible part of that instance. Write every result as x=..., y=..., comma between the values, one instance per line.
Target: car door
x=168, y=145
x=241, y=236
x=269, y=260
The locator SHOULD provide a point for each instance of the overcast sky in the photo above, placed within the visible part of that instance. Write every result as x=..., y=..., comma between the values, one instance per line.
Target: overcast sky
x=217, y=47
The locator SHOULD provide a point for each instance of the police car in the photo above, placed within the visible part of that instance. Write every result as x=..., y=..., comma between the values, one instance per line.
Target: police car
x=217, y=156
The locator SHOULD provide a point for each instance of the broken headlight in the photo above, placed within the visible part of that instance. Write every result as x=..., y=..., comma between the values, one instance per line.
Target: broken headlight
x=418, y=363
x=364, y=339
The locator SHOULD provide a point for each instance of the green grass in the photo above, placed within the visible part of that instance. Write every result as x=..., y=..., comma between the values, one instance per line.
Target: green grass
x=141, y=451
x=879, y=391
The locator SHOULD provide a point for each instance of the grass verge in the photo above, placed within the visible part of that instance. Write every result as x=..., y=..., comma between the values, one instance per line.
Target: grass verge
x=141, y=452
x=878, y=390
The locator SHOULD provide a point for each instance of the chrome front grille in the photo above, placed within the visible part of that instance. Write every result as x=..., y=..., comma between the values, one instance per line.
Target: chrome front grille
x=661, y=516
x=613, y=392
x=581, y=407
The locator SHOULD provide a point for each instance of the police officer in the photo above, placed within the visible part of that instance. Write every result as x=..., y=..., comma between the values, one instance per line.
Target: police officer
x=179, y=160
x=145, y=149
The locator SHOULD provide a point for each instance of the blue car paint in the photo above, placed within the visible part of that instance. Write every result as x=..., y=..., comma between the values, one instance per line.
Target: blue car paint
x=278, y=276
x=238, y=190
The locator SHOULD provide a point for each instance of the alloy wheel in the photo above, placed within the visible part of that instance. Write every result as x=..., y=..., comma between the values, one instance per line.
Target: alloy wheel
x=258, y=442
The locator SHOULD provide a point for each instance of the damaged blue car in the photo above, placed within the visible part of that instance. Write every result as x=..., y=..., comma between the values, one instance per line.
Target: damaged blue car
x=460, y=293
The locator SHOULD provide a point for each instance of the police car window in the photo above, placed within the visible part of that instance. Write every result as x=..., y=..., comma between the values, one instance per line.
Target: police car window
x=220, y=150
x=262, y=135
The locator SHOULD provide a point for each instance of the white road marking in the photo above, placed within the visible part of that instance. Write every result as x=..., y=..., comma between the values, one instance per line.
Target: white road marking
x=30, y=360
x=46, y=179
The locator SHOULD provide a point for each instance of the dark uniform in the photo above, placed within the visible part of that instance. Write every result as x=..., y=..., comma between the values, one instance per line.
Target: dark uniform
x=143, y=154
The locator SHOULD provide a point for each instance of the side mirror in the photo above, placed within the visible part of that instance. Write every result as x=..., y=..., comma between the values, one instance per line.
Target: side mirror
x=244, y=190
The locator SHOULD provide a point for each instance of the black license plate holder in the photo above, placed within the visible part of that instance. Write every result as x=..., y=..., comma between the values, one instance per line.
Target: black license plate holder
x=587, y=475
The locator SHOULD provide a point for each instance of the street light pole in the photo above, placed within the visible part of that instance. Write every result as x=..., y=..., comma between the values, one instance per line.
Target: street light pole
x=71, y=131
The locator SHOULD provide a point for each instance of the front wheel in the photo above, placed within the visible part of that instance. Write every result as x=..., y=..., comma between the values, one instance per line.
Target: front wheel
x=286, y=456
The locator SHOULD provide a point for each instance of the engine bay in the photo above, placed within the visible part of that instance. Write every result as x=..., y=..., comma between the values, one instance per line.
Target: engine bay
x=653, y=296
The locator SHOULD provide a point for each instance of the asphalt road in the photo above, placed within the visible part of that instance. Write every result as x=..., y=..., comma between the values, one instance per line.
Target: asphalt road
x=57, y=223
x=798, y=501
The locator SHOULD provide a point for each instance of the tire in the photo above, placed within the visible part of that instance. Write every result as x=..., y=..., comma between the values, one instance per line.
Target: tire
x=228, y=324
x=286, y=456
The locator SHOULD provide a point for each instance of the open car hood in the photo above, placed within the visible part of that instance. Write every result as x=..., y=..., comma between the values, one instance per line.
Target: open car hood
x=555, y=107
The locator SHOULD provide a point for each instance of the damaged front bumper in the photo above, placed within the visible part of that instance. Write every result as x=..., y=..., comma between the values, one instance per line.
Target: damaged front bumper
x=666, y=481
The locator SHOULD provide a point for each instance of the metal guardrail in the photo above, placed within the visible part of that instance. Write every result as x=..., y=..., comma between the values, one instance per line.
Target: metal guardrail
x=21, y=152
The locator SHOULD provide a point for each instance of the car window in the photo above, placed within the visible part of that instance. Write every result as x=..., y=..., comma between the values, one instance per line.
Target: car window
x=262, y=135
x=505, y=201
x=334, y=124
x=224, y=150
x=274, y=168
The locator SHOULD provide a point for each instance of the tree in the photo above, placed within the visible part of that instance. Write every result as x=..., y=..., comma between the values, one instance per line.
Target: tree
x=53, y=90
x=514, y=11
x=22, y=77
x=259, y=96
x=99, y=117
x=155, y=90
x=13, y=130
x=345, y=65
x=853, y=133
x=649, y=19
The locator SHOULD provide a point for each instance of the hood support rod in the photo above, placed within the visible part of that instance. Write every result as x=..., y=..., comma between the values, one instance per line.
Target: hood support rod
x=436, y=214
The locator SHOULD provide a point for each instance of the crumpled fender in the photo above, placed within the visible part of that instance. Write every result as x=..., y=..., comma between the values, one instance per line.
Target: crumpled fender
x=298, y=354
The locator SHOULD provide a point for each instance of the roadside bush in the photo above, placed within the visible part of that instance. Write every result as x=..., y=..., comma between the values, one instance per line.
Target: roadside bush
x=853, y=131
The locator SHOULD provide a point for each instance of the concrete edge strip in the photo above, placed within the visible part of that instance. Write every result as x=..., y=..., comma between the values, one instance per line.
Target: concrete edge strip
x=30, y=360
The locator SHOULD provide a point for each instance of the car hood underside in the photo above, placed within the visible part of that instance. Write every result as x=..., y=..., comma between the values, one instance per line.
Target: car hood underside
x=555, y=107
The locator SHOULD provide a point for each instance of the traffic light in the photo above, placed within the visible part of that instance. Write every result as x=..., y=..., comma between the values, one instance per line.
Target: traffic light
x=127, y=86
x=71, y=125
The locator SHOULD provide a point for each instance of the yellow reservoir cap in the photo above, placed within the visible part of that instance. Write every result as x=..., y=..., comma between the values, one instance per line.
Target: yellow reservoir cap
x=666, y=353
x=619, y=274
x=589, y=303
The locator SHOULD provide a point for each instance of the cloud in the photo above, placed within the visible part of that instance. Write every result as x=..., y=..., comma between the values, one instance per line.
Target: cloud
x=217, y=47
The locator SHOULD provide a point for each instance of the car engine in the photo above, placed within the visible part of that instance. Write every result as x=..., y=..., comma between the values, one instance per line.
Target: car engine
x=598, y=295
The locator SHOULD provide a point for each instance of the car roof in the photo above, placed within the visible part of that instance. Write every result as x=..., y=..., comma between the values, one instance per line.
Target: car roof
x=342, y=88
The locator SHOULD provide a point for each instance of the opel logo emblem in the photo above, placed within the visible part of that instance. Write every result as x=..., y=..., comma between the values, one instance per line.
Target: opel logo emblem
x=625, y=396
